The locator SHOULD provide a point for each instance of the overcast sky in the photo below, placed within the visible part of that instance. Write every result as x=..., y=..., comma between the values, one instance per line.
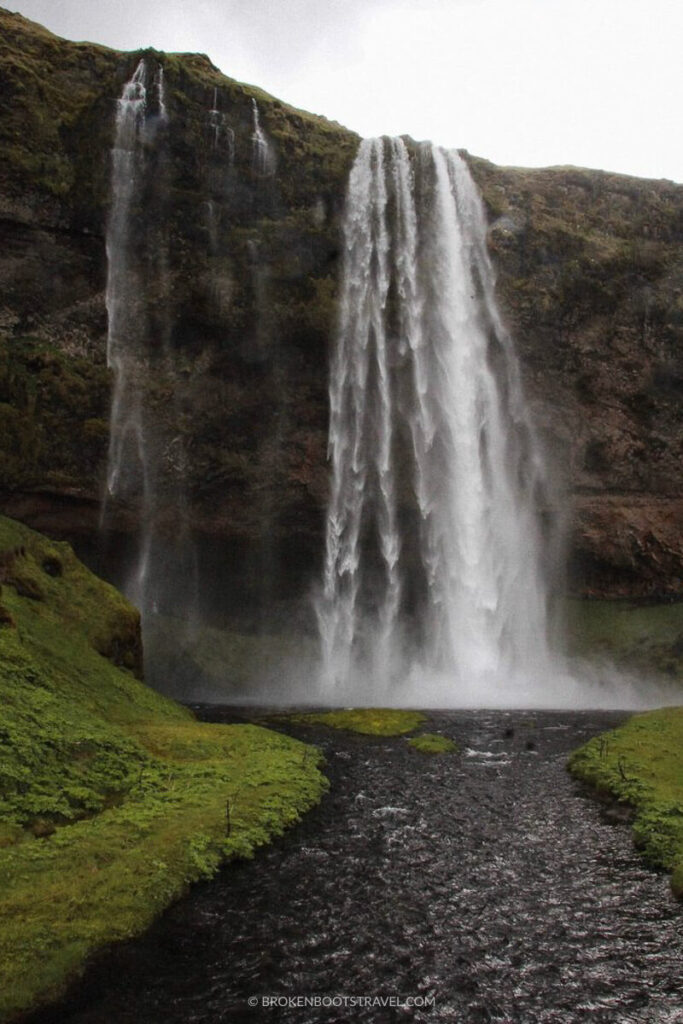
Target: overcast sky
x=596, y=83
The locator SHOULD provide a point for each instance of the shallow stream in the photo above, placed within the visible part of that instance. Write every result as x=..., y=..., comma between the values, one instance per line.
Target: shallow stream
x=475, y=887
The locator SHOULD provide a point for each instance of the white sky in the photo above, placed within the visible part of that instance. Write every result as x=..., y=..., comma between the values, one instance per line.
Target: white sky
x=596, y=83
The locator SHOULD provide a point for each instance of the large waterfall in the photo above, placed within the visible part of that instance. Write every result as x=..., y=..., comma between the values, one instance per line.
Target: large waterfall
x=434, y=561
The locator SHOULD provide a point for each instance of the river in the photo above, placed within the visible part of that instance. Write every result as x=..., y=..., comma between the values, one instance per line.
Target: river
x=471, y=887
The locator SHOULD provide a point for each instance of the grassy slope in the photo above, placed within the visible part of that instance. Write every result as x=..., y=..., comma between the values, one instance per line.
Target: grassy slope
x=641, y=763
x=112, y=798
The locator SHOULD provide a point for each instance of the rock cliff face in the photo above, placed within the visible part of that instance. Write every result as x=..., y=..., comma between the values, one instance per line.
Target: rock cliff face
x=591, y=277
x=239, y=304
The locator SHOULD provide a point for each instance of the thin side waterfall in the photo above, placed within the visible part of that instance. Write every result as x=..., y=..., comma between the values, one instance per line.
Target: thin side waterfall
x=128, y=471
x=262, y=153
x=161, y=94
x=215, y=120
x=138, y=337
x=435, y=564
x=222, y=135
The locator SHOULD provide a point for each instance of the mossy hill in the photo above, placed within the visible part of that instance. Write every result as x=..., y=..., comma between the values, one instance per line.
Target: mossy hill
x=640, y=764
x=590, y=269
x=113, y=799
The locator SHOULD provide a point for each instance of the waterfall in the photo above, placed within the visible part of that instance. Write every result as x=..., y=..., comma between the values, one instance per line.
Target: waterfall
x=215, y=119
x=161, y=94
x=145, y=457
x=262, y=153
x=128, y=472
x=434, y=559
x=220, y=129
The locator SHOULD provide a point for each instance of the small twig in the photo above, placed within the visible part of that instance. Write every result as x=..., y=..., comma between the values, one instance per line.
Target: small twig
x=229, y=807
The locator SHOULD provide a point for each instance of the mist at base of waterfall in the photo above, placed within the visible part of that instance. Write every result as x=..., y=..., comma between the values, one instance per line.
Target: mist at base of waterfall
x=283, y=671
x=584, y=686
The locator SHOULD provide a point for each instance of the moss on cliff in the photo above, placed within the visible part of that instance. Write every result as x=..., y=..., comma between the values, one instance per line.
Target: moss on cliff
x=235, y=269
x=641, y=764
x=52, y=414
x=152, y=799
x=53, y=94
x=590, y=275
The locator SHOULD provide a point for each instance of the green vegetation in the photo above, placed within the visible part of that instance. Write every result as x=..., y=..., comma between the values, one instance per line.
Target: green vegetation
x=112, y=798
x=367, y=721
x=55, y=98
x=641, y=764
x=433, y=743
x=222, y=661
x=646, y=637
x=52, y=409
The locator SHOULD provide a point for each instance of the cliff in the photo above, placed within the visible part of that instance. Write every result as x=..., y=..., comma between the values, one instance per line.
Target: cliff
x=238, y=310
x=591, y=278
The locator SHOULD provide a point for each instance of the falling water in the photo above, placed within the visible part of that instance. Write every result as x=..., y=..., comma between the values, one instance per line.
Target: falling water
x=212, y=225
x=220, y=131
x=434, y=565
x=130, y=120
x=262, y=153
x=161, y=95
x=127, y=467
x=132, y=466
x=215, y=119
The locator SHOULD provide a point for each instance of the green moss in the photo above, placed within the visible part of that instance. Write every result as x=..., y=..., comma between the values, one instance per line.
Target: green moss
x=642, y=636
x=153, y=800
x=433, y=743
x=52, y=408
x=641, y=764
x=677, y=882
x=52, y=88
x=368, y=721
x=263, y=341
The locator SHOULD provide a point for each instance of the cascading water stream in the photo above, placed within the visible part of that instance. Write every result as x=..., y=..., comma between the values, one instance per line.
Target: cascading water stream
x=142, y=458
x=161, y=94
x=434, y=561
x=215, y=119
x=262, y=154
x=127, y=465
x=222, y=135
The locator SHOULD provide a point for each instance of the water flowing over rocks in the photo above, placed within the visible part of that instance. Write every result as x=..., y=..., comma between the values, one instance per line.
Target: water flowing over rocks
x=482, y=880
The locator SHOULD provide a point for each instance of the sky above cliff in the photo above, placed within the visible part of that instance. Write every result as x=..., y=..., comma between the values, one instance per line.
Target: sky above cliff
x=596, y=83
